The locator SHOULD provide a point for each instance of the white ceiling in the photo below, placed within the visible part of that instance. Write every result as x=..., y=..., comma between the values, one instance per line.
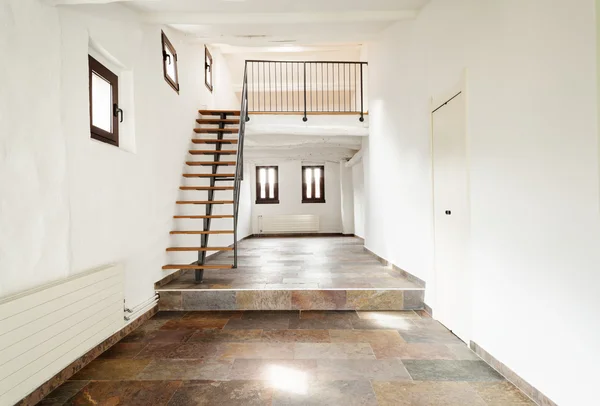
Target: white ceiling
x=266, y=23
x=275, y=6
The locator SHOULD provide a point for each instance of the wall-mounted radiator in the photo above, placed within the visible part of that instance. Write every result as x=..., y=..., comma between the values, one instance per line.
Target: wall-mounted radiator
x=45, y=329
x=300, y=223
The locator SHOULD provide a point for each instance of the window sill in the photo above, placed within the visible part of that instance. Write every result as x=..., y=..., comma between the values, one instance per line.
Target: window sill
x=314, y=201
x=267, y=202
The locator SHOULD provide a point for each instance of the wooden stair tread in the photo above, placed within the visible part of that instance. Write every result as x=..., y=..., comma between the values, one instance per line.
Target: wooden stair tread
x=203, y=232
x=218, y=121
x=214, y=216
x=213, y=141
x=210, y=163
x=216, y=130
x=212, y=152
x=208, y=175
x=206, y=188
x=235, y=113
x=205, y=202
x=182, y=249
x=197, y=267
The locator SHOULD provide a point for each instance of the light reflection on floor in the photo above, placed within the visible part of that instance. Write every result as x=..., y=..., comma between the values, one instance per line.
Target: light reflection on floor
x=288, y=379
x=392, y=322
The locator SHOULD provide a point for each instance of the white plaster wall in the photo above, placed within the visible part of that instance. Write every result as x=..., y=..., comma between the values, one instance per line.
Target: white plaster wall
x=290, y=196
x=34, y=204
x=533, y=146
x=225, y=97
x=358, y=183
x=70, y=203
x=347, y=198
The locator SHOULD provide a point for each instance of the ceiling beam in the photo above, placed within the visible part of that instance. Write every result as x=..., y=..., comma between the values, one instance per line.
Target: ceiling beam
x=278, y=18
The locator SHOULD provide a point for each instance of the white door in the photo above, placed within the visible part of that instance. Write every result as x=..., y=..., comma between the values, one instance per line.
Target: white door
x=451, y=216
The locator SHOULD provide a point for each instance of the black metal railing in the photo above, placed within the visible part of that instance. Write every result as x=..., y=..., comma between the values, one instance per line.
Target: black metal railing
x=305, y=87
x=239, y=167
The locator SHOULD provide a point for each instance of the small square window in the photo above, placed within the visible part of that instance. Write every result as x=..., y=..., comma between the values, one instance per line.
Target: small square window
x=208, y=69
x=313, y=184
x=104, y=103
x=267, y=185
x=170, y=63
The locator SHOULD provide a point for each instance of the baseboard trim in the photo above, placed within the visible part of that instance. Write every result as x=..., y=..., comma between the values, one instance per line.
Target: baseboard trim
x=383, y=261
x=524, y=386
x=428, y=309
x=77, y=365
x=292, y=235
x=414, y=279
x=409, y=276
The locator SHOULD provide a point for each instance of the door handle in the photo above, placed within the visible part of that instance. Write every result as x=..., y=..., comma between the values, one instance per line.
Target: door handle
x=448, y=212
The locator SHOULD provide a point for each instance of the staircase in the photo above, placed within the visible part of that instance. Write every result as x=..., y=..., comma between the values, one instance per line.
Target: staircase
x=218, y=147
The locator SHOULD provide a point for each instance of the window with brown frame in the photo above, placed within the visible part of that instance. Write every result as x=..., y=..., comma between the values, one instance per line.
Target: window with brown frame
x=170, y=63
x=313, y=184
x=104, y=103
x=208, y=69
x=267, y=185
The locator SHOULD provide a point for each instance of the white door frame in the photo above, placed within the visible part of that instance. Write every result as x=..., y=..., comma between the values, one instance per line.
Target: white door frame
x=461, y=87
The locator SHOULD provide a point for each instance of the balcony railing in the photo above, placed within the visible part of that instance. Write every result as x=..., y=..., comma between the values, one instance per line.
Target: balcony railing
x=306, y=87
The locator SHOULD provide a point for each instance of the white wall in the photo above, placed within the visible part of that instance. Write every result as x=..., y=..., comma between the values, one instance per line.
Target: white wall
x=34, y=204
x=347, y=198
x=533, y=144
x=359, y=199
x=70, y=203
x=290, y=196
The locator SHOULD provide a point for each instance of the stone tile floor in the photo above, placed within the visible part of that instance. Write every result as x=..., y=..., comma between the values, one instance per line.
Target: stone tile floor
x=298, y=263
x=289, y=358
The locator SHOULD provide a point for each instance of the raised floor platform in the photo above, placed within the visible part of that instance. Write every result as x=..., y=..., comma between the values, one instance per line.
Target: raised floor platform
x=308, y=273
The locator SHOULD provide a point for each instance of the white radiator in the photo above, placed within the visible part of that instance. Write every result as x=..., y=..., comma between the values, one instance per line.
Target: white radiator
x=45, y=329
x=299, y=223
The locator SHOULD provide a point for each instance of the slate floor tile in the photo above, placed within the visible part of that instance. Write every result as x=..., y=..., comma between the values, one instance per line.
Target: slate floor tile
x=363, y=369
x=123, y=350
x=111, y=369
x=194, y=324
x=63, y=393
x=261, y=324
x=257, y=351
x=227, y=335
x=501, y=394
x=296, y=336
x=333, y=351
x=179, y=369
x=346, y=393
x=320, y=324
x=273, y=370
x=443, y=370
x=230, y=393
x=131, y=393
x=426, y=394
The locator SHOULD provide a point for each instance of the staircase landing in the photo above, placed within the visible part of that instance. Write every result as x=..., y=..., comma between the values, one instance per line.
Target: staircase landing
x=311, y=273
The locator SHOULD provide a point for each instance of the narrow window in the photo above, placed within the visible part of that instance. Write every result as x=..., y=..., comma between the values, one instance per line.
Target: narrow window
x=170, y=63
x=208, y=69
x=313, y=184
x=104, y=103
x=267, y=185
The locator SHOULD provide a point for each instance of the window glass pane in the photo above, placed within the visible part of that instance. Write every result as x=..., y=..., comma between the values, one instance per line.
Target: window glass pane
x=170, y=64
x=102, y=104
x=317, y=172
x=208, y=71
x=272, y=183
x=263, y=180
x=308, y=183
